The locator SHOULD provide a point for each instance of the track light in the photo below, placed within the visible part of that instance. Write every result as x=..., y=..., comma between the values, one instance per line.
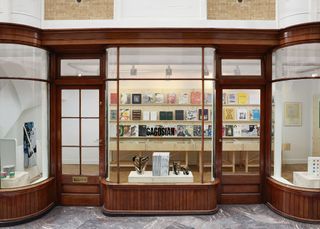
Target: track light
x=168, y=71
x=206, y=71
x=133, y=71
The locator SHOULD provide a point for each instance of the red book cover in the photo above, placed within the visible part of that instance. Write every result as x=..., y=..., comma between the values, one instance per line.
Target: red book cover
x=113, y=98
x=196, y=97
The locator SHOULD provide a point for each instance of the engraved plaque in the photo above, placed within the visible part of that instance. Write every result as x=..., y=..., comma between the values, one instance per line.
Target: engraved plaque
x=79, y=179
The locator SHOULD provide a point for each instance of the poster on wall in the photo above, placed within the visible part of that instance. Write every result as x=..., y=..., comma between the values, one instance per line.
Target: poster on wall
x=292, y=114
x=29, y=145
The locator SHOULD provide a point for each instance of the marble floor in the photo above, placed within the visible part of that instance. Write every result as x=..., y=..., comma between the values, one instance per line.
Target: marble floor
x=229, y=216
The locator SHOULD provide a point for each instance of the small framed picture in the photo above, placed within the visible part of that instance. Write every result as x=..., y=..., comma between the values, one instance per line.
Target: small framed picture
x=292, y=114
x=136, y=98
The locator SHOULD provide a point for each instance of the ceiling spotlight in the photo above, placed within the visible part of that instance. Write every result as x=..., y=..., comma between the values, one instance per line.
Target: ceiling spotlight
x=206, y=71
x=314, y=74
x=168, y=71
x=236, y=71
x=133, y=71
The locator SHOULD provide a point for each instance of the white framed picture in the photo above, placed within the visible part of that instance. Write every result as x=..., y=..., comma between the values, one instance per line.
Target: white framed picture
x=292, y=114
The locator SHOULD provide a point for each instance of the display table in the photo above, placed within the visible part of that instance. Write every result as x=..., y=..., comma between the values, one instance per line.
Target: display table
x=20, y=179
x=302, y=179
x=147, y=177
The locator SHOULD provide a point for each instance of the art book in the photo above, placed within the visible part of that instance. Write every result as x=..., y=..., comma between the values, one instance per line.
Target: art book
x=229, y=130
x=181, y=130
x=232, y=98
x=126, y=131
x=29, y=145
x=192, y=114
x=197, y=131
x=146, y=115
x=134, y=130
x=159, y=98
x=113, y=115
x=148, y=98
x=184, y=98
x=237, y=130
x=189, y=130
x=243, y=98
x=255, y=114
x=153, y=115
x=229, y=114
x=171, y=98
x=113, y=130
x=207, y=130
x=113, y=98
x=205, y=114
x=142, y=130
x=242, y=114
x=136, y=98
x=125, y=98
x=124, y=114
x=179, y=115
x=224, y=98
x=136, y=114
x=208, y=98
x=196, y=97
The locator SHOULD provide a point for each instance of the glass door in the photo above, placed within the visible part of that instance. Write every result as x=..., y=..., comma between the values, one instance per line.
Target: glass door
x=240, y=131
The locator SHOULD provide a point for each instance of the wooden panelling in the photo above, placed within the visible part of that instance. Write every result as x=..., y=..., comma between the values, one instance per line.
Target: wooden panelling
x=292, y=202
x=93, y=189
x=77, y=199
x=21, y=34
x=25, y=203
x=241, y=188
x=240, y=179
x=160, y=199
x=241, y=198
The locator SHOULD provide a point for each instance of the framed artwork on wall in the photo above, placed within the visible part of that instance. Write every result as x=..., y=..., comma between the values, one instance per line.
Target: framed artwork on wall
x=292, y=114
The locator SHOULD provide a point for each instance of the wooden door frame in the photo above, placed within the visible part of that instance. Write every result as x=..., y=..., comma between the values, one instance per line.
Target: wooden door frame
x=67, y=179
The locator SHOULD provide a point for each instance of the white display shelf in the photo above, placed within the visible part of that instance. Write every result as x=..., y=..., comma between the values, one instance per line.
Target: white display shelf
x=160, y=104
x=241, y=105
x=302, y=179
x=162, y=121
x=147, y=177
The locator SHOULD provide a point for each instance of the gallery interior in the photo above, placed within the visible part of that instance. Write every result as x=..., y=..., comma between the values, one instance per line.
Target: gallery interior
x=159, y=113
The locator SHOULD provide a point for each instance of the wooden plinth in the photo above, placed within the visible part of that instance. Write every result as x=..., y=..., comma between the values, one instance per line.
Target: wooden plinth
x=22, y=204
x=293, y=202
x=159, y=199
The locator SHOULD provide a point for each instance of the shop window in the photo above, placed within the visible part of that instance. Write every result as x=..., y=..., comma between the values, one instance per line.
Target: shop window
x=241, y=67
x=160, y=119
x=24, y=116
x=80, y=67
x=295, y=118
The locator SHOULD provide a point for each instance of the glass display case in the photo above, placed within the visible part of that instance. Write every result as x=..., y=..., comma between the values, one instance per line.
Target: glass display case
x=24, y=117
x=161, y=115
x=295, y=116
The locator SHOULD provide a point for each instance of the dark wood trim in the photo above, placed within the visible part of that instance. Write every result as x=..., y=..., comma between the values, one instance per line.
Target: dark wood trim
x=144, y=199
x=118, y=114
x=20, y=204
x=25, y=79
x=202, y=118
x=295, y=78
x=296, y=203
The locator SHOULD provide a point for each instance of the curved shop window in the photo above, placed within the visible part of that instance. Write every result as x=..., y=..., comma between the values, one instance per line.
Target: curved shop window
x=24, y=115
x=296, y=115
x=160, y=103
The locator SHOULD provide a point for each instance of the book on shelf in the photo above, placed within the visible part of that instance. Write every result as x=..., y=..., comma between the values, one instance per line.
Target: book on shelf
x=208, y=98
x=142, y=130
x=237, y=130
x=136, y=98
x=153, y=115
x=126, y=130
x=124, y=114
x=205, y=114
x=136, y=114
x=255, y=114
x=184, y=98
x=113, y=130
x=160, y=163
x=207, y=130
x=169, y=115
x=121, y=130
x=243, y=98
x=254, y=98
x=113, y=115
x=197, y=130
x=163, y=115
x=229, y=114
x=134, y=131
x=125, y=98
x=191, y=114
x=171, y=98
x=229, y=130
x=159, y=98
x=249, y=130
x=113, y=98
x=179, y=114
x=232, y=98
x=148, y=98
x=146, y=115
x=196, y=97
x=242, y=114
x=189, y=131
x=181, y=129
x=224, y=98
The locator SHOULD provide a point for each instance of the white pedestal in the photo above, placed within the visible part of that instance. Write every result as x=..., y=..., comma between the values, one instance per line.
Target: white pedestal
x=20, y=179
x=147, y=177
x=302, y=179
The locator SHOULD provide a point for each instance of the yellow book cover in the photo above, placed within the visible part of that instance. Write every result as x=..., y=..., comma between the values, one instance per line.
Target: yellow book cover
x=243, y=98
x=229, y=114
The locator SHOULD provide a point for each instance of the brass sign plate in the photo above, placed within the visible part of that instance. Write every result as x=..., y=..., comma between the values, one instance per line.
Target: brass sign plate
x=79, y=179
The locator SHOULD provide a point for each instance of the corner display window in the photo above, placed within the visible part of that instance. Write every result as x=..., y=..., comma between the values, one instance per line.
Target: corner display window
x=241, y=67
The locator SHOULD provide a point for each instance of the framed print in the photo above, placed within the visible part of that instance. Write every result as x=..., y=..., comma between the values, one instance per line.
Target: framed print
x=292, y=114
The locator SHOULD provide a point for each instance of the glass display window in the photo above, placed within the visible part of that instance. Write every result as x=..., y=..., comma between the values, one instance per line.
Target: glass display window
x=161, y=129
x=241, y=67
x=79, y=67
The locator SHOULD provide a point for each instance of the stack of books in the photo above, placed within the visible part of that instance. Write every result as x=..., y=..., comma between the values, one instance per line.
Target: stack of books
x=160, y=163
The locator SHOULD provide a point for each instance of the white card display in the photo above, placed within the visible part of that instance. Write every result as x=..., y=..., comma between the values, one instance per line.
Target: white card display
x=314, y=166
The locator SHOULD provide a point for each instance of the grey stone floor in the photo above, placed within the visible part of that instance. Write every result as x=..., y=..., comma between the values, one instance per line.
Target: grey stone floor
x=229, y=216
